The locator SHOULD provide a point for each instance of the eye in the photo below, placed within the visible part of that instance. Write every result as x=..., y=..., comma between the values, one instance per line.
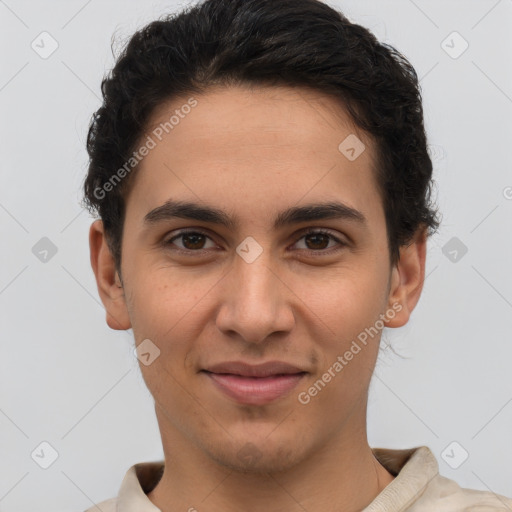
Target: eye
x=191, y=241
x=318, y=241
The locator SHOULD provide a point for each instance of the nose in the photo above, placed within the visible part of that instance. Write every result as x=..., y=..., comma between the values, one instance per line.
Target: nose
x=256, y=303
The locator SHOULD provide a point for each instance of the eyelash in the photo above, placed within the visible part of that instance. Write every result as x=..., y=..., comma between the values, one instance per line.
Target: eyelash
x=309, y=231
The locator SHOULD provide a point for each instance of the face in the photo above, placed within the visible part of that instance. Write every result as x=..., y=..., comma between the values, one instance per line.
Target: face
x=267, y=294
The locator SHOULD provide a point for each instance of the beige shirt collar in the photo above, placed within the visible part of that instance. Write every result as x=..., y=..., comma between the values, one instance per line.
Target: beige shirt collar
x=414, y=467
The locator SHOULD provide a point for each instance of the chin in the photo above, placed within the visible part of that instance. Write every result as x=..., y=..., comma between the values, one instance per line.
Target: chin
x=253, y=457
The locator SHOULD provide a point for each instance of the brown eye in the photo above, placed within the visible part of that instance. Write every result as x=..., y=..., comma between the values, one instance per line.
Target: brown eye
x=317, y=241
x=320, y=241
x=191, y=241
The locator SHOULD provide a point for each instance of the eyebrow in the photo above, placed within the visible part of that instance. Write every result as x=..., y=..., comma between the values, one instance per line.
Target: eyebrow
x=188, y=210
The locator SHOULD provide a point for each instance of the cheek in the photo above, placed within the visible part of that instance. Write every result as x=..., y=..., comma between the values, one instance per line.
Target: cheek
x=162, y=311
x=158, y=296
x=168, y=307
x=347, y=299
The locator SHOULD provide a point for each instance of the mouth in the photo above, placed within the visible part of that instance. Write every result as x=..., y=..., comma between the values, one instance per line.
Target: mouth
x=254, y=384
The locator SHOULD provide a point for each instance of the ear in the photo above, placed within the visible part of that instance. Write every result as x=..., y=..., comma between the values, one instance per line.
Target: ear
x=109, y=284
x=407, y=279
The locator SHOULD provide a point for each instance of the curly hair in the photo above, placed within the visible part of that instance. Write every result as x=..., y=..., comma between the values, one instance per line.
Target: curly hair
x=296, y=43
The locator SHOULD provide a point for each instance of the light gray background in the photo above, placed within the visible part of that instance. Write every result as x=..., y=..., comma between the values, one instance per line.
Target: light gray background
x=69, y=380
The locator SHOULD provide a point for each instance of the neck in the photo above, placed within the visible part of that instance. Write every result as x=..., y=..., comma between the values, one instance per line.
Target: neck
x=342, y=474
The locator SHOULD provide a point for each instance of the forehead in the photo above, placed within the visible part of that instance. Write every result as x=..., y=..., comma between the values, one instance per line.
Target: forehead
x=241, y=146
x=276, y=117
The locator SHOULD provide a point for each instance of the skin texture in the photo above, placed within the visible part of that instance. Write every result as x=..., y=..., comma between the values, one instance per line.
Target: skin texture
x=254, y=152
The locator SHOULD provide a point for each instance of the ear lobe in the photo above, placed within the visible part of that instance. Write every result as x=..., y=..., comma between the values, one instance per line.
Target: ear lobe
x=407, y=279
x=110, y=287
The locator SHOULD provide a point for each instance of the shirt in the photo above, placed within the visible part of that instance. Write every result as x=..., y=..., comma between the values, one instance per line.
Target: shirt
x=417, y=487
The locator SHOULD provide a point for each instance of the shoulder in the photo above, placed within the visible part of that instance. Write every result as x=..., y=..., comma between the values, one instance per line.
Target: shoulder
x=419, y=487
x=445, y=495
x=105, y=506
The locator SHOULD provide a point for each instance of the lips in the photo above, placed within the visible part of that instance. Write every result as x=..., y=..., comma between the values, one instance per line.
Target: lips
x=254, y=384
x=249, y=370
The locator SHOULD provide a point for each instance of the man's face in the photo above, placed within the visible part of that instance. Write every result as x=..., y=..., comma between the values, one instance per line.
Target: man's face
x=254, y=292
